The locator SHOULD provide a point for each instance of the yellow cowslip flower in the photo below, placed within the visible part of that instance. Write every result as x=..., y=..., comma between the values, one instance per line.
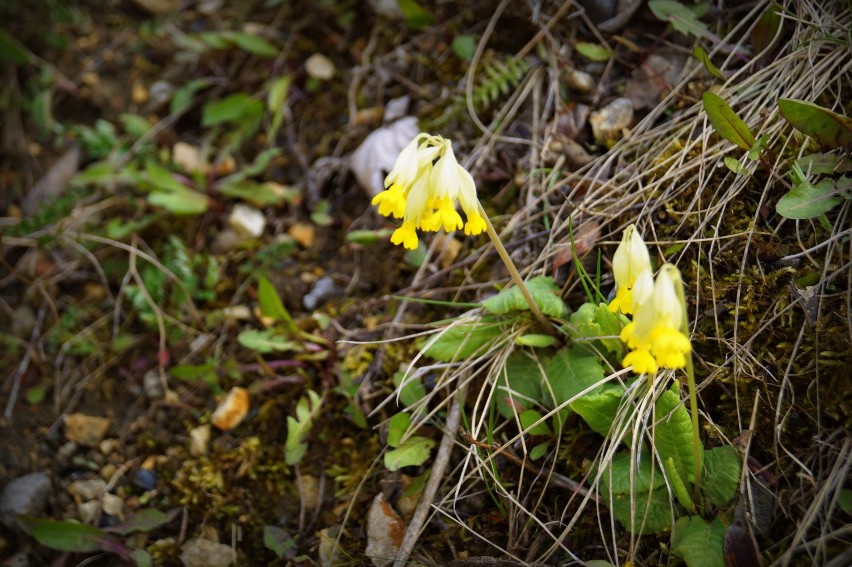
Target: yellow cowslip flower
x=630, y=261
x=423, y=188
x=655, y=334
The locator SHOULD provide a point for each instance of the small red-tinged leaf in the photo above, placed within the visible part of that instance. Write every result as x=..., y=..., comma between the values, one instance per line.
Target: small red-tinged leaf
x=65, y=535
x=829, y=128
x=143, y=521
x=726, y=122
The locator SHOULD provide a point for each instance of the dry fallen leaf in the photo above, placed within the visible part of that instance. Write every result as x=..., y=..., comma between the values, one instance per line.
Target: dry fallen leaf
x=376, y=155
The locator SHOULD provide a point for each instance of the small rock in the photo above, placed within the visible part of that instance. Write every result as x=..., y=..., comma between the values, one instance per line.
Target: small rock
x=85, y=429
x=84, y=490
x=152, y=385
x=579, y=80
x=225, y=241
x=159, y=95
x=107, y=471
x=24, y=321
x=189, y=158
x=206, y=553
x=323, y=290
x=385, y=530
x=319, y=66
x=157, y=7
x=113, y=505
x=246, y=221
x=309, y=491
x=146, y=479
x=89, y=511
x=66, y=451
x=303, y=233
x=25, y=495
x=608, y=124
x=17, y=560
x=232, y=410
x=108, y=446
x=199, y=440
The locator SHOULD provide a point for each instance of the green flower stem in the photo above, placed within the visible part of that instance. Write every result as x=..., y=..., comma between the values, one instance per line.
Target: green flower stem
x=693, y=398
x=516, y=276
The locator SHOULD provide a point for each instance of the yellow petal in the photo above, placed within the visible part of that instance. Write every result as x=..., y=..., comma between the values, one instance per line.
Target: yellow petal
x=475, y=224
x=641, y=361
x=405, y=235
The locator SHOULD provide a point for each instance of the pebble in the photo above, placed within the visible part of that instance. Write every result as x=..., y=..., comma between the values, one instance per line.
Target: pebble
x=385, y=530
x=206, y=553
x=323, y=290
x=246, y=221
x=24, y=495
x=318, y=66
x=580, y=80
x=199, y=440
x=85, y=429
x=146, y=479
x=608, y=123
x=113, y=505
x=88, y=511
x=152, y=385
x=231, y=410
x=83, y=490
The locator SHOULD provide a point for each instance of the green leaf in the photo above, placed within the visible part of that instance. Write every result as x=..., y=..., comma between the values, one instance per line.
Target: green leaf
x=368, y=237
x=640, y=490
x=180, y=203
x=599, y=410
x=253, y=44
x=682, y=18
x=136, y=126
x=544, y=291
x=518, y=385
x=279, y=91
x=699, y=543
x=184, y=95
x=726, y=122
x=592, y=321
x=416, y=16
x=844, y=500
x=271, y=304
x=35, y=395
x=734, y=165
x=258, y=194
x=464, y=46
x=12, y=51
x=820, y=164
x=232, y=108
x=307, y=408
x=678, y=487
x=700, y=54
x=539, y=450
x=67, y=535
x=141, y=521
x=806, y=200
x=141, y=558
x=593, y=51
x=265, y=341
x=673, y=434
x=414, y=452
x=829, y=128
x=278, y=541
x=536, y=340
x=764, y=32
x=397, y=426
x=572, y=370
x=412, y=392
x=528, y=418
x=721, y=475
x=463, y=341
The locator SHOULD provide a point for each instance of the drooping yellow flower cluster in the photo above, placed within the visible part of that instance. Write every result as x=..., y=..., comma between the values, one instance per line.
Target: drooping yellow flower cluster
x=423, y=188
x=656, y=334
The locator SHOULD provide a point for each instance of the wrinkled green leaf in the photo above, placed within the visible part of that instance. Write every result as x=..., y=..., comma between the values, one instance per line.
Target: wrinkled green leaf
x=829, y=128
x=141, y=521
x=820, y=164
x=699, y=543
x=528, y=418
x=673, y=434
x=641, y=488
x=397, y=426
x=462, y=341
x=682, y=18
x=572, y=370
x=266, y=341
x=593, y=51
x=592, y=321
x=806, y=200
x=599, y=410
x=721, y=475
x=414, y=452
x=518, y=385
x=464, y=46
x=726, y=122
x=546, y=294
x=700, y=54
